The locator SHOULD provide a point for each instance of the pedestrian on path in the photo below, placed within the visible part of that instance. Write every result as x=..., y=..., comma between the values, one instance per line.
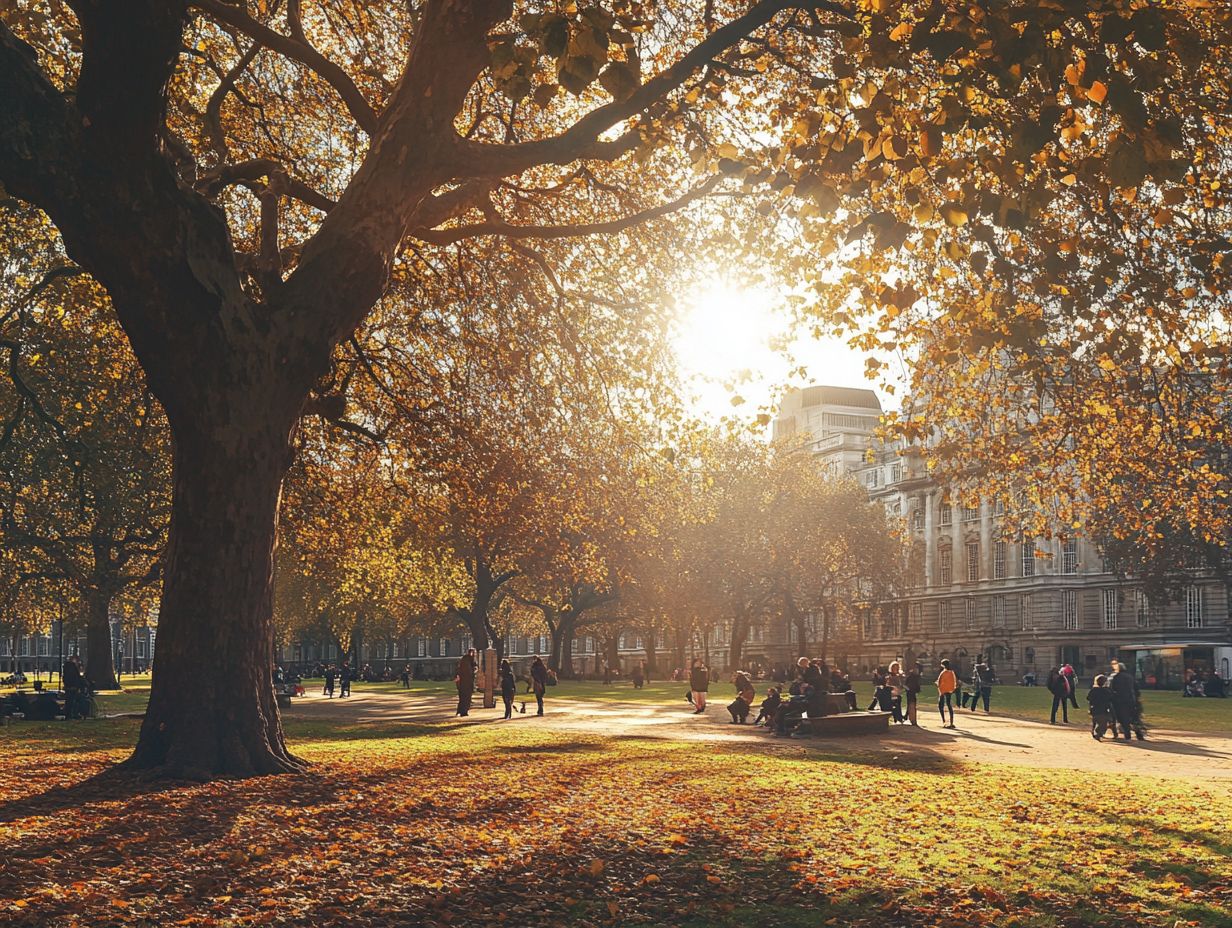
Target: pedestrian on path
x=328, y=689
x=344, y=678
x=982, y=685
x=639, y=676
x=699, y=685
x=1099, y=702
x=464, y=679
x=911, y=692
x=538, y=681
x=1125, y=702
x=509, y=687
x=1058, y=685
x=1071, y=678
x=895, y=682
x=947, y=682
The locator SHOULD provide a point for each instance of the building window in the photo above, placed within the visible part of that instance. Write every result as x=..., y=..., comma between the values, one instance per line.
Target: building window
x=443, y=647
x=973, y=561
x=1142, y=610
x=637, y=643
x=1028, y=558
x=915, y=618
x=971, y=513
x=868, y=623
x=969, y=608
x=945, y=565
x=999, y=569
x=1024, y=611
x=1069, y=556
x=998, y=507
x=1069, y=609
x=1193, y=607
x=943, y=616
x=1111, y=602
x=947, y=514
x=421, y=647
x=896, y=472
x=998, y=612
x=543, y=645
x=917, y=519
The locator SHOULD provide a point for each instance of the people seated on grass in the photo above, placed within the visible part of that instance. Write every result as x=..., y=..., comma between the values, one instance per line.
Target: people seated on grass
x=1099, y=703
x=745, y=694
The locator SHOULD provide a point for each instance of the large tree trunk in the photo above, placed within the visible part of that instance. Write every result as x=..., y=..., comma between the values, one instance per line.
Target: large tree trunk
x=212, y=708
x=100, y=666
x=648, y=639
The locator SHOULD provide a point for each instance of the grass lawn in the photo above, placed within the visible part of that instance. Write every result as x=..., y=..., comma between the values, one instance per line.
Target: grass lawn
x=519, y=824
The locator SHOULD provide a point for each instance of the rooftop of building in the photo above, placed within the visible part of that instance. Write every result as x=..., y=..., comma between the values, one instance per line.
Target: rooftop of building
x=825, y=395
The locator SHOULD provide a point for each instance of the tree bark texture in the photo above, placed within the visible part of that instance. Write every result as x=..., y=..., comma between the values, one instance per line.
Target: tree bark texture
x=100, y=663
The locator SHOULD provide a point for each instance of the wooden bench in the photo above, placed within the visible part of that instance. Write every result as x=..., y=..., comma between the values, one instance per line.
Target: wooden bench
x=846, y=723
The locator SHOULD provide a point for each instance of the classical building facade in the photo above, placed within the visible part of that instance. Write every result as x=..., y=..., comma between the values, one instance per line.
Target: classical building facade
x=1028, y=604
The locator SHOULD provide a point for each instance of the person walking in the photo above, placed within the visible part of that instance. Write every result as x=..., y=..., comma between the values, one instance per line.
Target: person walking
x=1058, y=685
x=344, y=678
x=1125, y=702
x=328, y=689
x=464, y=679
x=405, y=677
x=538, y=681
x=639, y=676
x=1099, y=701
x=947, y=682
x=508, y=687
x=981, y=680
x=699, y=685
x=911, y=691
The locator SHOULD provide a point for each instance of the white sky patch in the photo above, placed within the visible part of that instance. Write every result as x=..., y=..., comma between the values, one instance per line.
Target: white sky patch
x=729, y=342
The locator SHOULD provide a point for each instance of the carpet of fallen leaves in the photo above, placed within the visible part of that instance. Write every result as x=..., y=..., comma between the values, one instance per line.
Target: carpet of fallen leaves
x=523, y=825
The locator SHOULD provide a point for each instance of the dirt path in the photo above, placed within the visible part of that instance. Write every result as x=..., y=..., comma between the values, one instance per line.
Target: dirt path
x=979, y=738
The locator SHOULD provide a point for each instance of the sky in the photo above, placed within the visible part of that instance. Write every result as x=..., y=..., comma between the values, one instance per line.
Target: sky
x=724, y=347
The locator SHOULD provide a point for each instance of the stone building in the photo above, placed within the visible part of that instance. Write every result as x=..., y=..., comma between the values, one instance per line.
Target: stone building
x=1029, y=604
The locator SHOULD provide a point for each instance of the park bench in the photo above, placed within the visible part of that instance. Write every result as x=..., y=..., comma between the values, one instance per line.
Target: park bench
x=283, y=692
x=846, y=723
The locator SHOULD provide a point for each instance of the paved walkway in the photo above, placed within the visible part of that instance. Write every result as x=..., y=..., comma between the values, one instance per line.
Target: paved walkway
x=979, y=738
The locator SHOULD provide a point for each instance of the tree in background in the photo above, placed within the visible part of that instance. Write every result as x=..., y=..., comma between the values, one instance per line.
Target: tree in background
x=84, y=451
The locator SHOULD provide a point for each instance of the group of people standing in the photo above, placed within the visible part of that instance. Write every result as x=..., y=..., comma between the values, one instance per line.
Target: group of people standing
x=1115, y=704
x=343, y=675
x=468, y=670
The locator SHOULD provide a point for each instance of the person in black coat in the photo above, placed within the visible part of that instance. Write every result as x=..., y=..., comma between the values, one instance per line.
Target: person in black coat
x=1058, y=685
x=329, y=682
x=538, y=681
x=1125, y=704
x=345, y=676
x=1103, y=716
x=699, y=685
x=508, y=686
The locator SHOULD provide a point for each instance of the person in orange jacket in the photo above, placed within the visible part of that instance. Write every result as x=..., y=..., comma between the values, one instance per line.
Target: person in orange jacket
x=947, y=682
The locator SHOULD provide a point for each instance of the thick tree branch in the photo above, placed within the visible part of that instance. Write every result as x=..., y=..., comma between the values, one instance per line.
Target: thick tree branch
x=510, y=230
x=582, y=139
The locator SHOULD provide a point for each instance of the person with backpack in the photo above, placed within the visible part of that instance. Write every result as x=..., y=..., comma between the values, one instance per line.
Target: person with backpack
x=947, y=683
x=1058, y=685
x=1099, y=701
x=508, y=687
x=538, y=681
x=699, y=685
x=911, y=692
